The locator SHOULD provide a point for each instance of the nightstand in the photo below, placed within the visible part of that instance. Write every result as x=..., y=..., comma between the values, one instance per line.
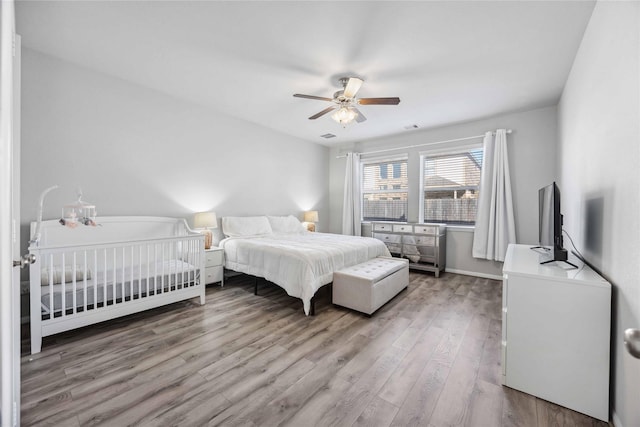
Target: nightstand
x=214, y=265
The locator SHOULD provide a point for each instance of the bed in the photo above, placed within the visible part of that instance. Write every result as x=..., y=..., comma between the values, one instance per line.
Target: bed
x=122, y=266
x=280, y=250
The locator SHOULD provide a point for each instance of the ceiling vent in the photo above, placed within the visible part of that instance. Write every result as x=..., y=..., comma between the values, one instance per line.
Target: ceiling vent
x=328, y=136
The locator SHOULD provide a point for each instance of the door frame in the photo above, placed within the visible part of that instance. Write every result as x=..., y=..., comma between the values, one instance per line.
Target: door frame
x=9, y=223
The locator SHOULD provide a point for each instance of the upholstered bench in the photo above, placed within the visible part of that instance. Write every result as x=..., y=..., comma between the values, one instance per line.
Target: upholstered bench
x=368, y=286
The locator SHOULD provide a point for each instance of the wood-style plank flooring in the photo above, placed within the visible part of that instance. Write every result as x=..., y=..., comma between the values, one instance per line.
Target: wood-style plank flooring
x=430, y=357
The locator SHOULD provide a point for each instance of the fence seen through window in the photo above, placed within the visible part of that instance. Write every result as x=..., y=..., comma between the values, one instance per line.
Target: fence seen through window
x=450, y=186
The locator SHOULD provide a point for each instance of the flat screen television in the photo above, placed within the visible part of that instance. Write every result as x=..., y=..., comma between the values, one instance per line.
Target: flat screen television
x=550, y=223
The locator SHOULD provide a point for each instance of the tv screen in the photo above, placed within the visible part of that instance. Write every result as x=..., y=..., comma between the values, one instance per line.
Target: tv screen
x=550, y=222
x=546, y=216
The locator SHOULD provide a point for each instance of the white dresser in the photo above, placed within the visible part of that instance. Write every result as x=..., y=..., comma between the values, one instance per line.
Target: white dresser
x=424, y=245
x=556, y=331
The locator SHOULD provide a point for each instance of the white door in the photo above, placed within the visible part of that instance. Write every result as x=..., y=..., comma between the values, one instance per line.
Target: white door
x=9, y=218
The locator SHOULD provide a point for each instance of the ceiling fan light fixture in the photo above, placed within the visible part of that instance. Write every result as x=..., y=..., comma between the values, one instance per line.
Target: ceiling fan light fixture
x=344, y=115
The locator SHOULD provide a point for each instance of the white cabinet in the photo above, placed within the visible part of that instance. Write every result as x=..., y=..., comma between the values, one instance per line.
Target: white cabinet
x=214, y=265
x=422, y=244
x=556, y=331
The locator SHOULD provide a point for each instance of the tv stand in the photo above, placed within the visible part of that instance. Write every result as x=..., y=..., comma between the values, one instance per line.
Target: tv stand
x=558, y=255
x=556, y=332
x=561, y=260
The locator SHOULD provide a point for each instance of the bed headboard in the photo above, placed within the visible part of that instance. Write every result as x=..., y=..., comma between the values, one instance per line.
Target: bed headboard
x=110, y=229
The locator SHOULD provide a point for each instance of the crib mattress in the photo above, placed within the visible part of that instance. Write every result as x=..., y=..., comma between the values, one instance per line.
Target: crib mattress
x=117, y=284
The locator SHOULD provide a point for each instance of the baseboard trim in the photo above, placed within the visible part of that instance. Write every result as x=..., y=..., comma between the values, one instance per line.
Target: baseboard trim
x=615, y=421
x=473, y=273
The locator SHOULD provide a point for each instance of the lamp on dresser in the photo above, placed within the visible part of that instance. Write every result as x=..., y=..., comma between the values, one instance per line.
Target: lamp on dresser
x=310, y=219
x=205, y=221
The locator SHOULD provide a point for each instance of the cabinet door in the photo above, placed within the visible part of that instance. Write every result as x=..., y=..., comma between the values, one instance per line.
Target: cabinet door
x=557, y=345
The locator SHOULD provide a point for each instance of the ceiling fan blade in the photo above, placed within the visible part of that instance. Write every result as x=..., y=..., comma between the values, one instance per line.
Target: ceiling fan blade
x=323, y=112
x=352, y=87
x=360, y=117
x=321, y=98
x=379, y=101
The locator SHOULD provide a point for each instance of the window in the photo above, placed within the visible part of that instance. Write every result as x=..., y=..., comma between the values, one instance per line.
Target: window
x=397, y=170
x=450, y=184
x=384, y=194
x=383, y=170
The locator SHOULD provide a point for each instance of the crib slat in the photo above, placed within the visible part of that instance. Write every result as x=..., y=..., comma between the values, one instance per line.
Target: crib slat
x=131, y=276
x=155, y=267
x=63, y=298
x=115, y=276
x=104, y=279
x=95, y=279
x=51, y=307
x=74, y=269
x=122, y=278
x=163, y=265
x=173, y=281
x=84, y=280
x=147, y=281
x=182, y=245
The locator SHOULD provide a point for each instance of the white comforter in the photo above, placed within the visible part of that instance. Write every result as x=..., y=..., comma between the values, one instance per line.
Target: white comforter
x=299, y=263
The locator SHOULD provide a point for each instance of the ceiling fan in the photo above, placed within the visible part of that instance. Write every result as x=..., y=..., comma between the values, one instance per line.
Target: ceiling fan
x=345, y=102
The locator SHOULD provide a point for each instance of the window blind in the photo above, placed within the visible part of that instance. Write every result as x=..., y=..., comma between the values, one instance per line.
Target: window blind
x=384, y=190
x=450, y=186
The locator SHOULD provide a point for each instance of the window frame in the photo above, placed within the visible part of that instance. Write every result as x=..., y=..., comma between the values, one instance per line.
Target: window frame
x=458, y=149
x=388, y=160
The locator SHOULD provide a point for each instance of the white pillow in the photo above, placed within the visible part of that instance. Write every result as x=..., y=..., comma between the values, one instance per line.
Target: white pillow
x=286, y=224
x=239, y=226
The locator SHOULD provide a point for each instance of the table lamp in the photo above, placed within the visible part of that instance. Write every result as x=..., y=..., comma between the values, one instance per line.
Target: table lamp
x=205, y=221
x=311, y=217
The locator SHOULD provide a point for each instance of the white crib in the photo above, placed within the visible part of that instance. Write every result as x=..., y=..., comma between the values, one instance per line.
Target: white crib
x=122, y=266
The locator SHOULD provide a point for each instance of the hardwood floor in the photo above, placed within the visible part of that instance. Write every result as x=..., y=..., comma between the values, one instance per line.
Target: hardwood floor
x=430, y=357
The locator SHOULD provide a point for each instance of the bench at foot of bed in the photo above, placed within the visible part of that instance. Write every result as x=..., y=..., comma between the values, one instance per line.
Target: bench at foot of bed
x=368, y=286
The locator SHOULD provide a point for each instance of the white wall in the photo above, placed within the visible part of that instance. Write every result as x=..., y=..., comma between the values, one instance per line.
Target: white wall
x=135, y=151
x=599, y=145
x=532, y=162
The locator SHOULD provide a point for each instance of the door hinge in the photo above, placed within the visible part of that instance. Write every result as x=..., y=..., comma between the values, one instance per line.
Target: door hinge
x=13, y=231
x=13, y=44
x=15, y=413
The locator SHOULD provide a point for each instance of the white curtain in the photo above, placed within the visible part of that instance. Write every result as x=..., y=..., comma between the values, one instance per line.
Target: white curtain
x=351, y=207
x=495, y=224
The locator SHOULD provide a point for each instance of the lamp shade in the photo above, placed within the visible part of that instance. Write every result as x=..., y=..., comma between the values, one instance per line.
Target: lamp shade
x=311, y=216
x=205, y=220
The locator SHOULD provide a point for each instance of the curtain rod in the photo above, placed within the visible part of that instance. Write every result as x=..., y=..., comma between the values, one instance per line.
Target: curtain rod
x=423, y=145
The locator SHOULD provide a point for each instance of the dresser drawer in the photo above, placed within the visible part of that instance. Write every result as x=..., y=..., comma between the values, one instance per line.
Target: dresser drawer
x=402, y=228
x=394, y=248
x=425, y=240
x=427, y=252
x=213, y=258
x=382, y=227
x=388, y=238
x=213, y=274
x=425, y=229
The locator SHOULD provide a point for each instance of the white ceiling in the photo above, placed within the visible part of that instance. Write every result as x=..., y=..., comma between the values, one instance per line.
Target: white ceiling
x=448, y=61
